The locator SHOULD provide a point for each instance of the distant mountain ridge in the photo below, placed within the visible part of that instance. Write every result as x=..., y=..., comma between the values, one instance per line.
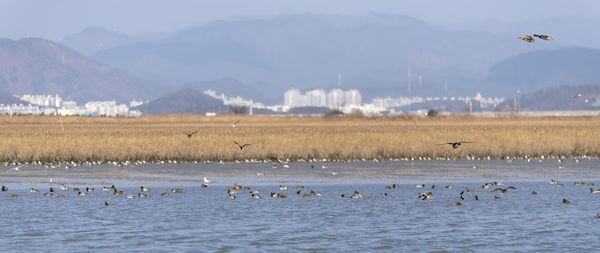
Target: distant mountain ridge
x=38, y=66
x=95, y=39
x=184, y=101
x=536, y=70
x=308, y=51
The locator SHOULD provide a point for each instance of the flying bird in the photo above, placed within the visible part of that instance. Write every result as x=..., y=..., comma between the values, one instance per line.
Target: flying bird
x=189, y=135
x=206, y=180
x=527, y=38
x=456, y=144
x=241, y=146
x=542, y=36
x=234, y=124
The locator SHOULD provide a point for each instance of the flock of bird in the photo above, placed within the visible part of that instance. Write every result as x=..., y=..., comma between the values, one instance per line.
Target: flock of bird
x=530, y=39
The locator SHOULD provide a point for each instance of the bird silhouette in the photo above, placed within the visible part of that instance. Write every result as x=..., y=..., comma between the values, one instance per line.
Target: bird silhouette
x=189, y=135
x=241, y=146
x=456, y=144
x=542, y=36
x=527, y=38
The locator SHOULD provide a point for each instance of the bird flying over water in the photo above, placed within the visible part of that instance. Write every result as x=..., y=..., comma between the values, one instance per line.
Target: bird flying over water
x=527, y=38
x=189, y=135
x=542, y=36
x=241, y=146
x=456, y=144
x=234, y=124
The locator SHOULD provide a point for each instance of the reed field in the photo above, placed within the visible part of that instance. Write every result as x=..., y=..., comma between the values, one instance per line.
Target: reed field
x=162, y=138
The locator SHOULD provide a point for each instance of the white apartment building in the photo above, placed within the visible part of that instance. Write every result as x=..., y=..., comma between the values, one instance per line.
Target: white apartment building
x=335, y=98
x=352, y=97
x=316, y=98
x=294, y=98
x=42, y=100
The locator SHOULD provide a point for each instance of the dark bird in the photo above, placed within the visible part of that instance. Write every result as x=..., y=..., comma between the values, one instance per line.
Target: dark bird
x=105, y=203
x=542, y=36
x=456, y=144
x=189, y=135
x=527, y=38
x=566, y=201
x=241, y=146
x=4, y=188
x=234, y=124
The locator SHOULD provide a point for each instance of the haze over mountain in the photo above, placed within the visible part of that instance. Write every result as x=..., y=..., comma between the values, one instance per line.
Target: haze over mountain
x=308, y=51
x=536, y=70
x=92, y=40
x=38, y=66
x=565, y=97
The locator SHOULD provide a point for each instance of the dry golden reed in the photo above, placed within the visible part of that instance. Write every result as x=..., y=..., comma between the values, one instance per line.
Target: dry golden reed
x=156, y=138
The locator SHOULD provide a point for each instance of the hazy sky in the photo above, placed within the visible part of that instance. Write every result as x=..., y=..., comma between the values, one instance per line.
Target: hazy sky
x=58, y=18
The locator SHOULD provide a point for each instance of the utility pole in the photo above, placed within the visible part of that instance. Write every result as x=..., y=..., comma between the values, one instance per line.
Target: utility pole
x=518, y=100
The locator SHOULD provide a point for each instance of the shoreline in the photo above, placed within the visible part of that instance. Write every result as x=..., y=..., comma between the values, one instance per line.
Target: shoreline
x=191, y=174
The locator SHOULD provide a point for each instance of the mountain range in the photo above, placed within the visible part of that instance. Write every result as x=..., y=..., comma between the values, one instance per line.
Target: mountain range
x=308, y=51
x=38, y=66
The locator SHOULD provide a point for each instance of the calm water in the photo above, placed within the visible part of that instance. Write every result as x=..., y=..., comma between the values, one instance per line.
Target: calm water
x=205, y=219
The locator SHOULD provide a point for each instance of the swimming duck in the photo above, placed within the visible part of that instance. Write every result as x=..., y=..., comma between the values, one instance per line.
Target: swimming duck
x=255, y=196
x=564, y=201
x=255, y=192
x=433, y=187
x=176, y=190
x=82, y=193
x=75, y=189
x=420, y=186
x=476, y=198
x=496, y=197
x=594, y=191
x=260, y=173
x=131, y=196
x=448, y=187
x=204, y=185
x=115, y=192
x=63, y=187
x=501, y=190
x=34, y=190
x=144, y=189
x=142, y=195
x=232, y=196
x=14, y=195
x=384, y=194
x=458, y=204
x=534, y=193
x=51, y=189
x=60, y=196
x=357, y=196
x=552, y=181
x=395, y=186
x=299, y=187
x=166, y=194
x=283, y=188
x=47, y=194
x=105, y=203
x=4, y=188
x=106, y=188
x=318, y=194
x=306, y=195
x=87, y=189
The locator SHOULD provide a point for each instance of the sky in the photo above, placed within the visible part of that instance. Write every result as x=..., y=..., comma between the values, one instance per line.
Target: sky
x=59, y=18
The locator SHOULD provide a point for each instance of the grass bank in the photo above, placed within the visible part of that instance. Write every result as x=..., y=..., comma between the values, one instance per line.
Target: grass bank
x=155, y=138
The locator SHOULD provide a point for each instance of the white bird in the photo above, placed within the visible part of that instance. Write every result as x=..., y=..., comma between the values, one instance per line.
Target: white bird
x=234, y=124
x=206, y=181
x=16, y=168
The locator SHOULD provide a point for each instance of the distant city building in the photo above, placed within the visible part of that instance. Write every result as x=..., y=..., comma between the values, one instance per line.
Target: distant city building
x=335, y=98
x=316, y=98
x=293, y=98
x=42, y=100
x=352, y=97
